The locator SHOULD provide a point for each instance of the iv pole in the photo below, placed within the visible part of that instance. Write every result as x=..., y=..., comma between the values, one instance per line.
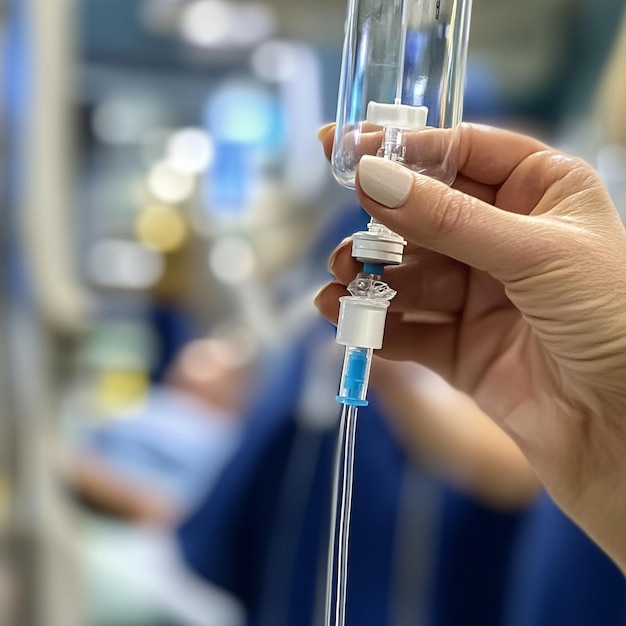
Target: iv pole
x=43, y=539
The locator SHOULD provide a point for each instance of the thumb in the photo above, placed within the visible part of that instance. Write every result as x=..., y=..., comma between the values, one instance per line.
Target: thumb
x=430, y=214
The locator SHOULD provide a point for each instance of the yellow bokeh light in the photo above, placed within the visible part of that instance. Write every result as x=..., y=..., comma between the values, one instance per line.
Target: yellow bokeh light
x=119, y=390
x=162, y=228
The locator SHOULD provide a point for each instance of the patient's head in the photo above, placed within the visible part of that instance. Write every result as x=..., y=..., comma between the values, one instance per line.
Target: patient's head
x=216, y=371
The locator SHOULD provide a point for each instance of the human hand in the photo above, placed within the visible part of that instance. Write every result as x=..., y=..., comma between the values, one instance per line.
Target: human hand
x=523, y=265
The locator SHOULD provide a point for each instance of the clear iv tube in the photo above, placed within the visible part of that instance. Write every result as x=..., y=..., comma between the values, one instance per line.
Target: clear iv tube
x=337, y=574
x=401, y=52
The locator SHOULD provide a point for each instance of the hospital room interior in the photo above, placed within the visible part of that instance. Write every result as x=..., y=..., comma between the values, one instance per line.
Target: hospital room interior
x=176, y=443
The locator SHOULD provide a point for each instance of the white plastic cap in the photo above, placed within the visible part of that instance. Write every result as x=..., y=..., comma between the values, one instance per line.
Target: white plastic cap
x=361, y=322
x=371, y=247
x=397, y=115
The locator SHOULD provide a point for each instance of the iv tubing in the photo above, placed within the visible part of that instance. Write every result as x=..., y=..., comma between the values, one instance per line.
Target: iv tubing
x=333, y=520
x=402, y=46
x=341, y=513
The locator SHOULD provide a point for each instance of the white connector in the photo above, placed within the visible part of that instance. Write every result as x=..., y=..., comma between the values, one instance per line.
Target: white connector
x=401, y=116
x=361, y=322
x=378, y=245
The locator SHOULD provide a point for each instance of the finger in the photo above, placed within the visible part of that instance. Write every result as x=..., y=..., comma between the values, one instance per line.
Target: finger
x=486, y=155
x=326, y=135
x=325, y=130
x=431, y=345
x=345, y=267
x=432, y=215
x=425, y=149
x=432, y=284
x=363, y=139
x=424, y=281
x=342, y=264
x=327, y=300
x=486, y=193
x=489, y=155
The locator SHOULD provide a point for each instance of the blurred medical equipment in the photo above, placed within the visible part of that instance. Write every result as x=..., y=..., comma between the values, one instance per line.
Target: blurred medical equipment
x=100, y=259
x=45, y=309
x=400, y=98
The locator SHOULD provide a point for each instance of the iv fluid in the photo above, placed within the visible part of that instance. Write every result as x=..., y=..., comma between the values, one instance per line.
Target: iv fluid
x=407, y=52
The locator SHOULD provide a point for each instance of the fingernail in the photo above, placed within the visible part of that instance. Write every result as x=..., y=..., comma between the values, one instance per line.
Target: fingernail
x=324, y=129
x=384, y=181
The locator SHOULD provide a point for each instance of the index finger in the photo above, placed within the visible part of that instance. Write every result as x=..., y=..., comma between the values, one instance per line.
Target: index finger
x=487, y=155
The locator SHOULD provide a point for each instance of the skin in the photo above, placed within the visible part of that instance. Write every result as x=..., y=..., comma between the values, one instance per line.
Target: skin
x=108, y=491
x=523, y=263
x=444, y=428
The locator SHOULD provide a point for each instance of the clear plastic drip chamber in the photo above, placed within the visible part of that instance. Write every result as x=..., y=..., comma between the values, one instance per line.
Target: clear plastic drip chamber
x=401, y=87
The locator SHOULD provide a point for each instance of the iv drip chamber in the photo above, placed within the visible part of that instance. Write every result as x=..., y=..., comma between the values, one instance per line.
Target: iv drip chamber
x=401, y=85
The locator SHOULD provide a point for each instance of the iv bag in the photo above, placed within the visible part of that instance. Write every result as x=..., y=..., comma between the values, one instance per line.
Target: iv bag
x=401, y=86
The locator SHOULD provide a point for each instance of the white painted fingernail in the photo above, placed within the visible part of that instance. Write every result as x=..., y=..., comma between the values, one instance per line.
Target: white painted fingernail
x=384, y=181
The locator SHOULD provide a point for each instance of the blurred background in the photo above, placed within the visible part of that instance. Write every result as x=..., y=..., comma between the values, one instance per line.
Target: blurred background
x=167, y=390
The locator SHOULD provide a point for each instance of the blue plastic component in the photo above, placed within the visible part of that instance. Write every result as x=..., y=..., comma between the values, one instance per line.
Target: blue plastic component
x=351, y=401
x=376, y=269
x=355, y=378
